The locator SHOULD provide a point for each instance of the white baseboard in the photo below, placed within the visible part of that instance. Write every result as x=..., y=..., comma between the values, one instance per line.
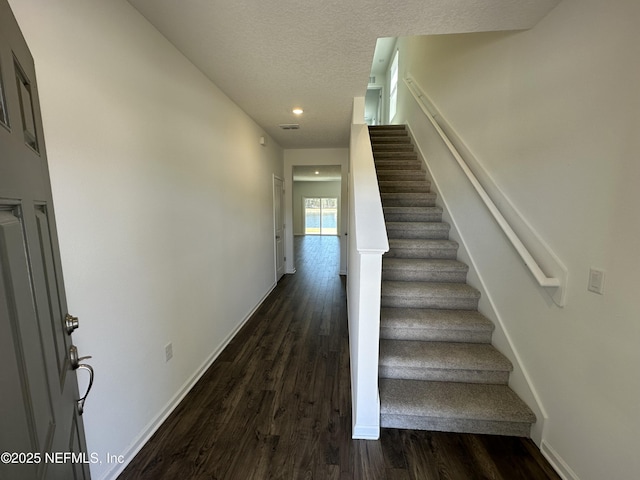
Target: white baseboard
x=153, y=426
x=556, y=461
x=366, y=432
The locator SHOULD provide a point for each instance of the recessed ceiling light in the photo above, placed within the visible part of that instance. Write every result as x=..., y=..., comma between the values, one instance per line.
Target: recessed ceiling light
x=297, y=111
x=317, y=173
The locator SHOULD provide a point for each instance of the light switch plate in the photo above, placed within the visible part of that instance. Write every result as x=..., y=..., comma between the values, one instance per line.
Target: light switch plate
x=596, y=281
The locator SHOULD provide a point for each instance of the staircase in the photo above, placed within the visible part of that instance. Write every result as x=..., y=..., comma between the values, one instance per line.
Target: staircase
x=438, y=369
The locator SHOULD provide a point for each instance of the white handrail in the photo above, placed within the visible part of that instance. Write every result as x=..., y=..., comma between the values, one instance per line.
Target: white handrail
x=542, y=279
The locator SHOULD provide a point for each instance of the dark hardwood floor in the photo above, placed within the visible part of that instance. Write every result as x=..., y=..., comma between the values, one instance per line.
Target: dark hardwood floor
x=276, y=404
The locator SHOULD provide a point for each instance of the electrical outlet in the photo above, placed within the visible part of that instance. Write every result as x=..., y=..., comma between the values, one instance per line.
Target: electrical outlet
x=168, y=352
x=596, y=281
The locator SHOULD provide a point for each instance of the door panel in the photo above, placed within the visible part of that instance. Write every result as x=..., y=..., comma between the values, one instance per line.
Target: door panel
x=38, y=406
x=25, y=425
x=52, y=294
x=22, y=319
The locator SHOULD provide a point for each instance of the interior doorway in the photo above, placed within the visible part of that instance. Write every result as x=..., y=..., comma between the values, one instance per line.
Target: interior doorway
x=317, y=197
x=373, y=106
x=315, y=173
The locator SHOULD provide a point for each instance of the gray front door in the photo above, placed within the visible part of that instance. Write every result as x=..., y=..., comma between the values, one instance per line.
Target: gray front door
x=41, y=429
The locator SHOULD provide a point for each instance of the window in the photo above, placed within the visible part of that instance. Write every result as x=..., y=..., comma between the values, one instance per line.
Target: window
x=320, y=216
x=393, y=87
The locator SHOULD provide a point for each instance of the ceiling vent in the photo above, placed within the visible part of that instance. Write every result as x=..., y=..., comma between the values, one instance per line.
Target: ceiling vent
x=289, y=126
x=372, y=79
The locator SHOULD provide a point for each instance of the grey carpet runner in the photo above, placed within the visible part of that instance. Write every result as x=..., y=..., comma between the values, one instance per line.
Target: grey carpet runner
x=438, y=369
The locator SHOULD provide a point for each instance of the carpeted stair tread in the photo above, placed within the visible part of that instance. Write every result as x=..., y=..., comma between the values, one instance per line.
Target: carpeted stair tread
x=412, y=214
x=435, y=325
x=399, y=164
x=424, y=270
x=424, y=230
x=400, y=184
x=388, y=132
x=400, y=176
x=391, y=155
x=458, y=296
x=410, y=167
x=378, y=128
x=450, y=406
x=390, y=139
x=422, y=248
x=408, y=199
x=392, y=147
x=421, y=185
x=443, y=361
x=411, y=173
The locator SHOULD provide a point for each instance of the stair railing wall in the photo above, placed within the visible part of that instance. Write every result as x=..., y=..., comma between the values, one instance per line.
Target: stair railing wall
x=367, y=243
x=556, y=283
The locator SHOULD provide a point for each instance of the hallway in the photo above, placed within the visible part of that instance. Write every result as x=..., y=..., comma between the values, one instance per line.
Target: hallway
x=276, y=404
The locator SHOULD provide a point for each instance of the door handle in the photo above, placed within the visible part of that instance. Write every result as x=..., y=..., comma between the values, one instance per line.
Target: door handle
x=70, y=323
x=75, y=360
x=80, y=402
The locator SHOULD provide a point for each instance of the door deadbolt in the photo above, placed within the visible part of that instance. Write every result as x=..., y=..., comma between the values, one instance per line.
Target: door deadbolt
x=70, y=323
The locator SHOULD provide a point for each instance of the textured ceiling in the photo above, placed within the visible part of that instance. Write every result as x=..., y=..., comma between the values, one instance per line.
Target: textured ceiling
x=269, y=56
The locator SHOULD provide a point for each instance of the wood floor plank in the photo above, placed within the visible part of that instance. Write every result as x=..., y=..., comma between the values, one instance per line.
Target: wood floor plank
x=276, y=404
x=369, y=461
x=392, y=449
x=422, y=463
x=481, y=459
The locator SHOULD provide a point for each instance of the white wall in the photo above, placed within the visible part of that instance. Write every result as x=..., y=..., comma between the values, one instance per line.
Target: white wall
x=551, y=114
x=315, y=156
x=164, y=203
x=302, y=190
